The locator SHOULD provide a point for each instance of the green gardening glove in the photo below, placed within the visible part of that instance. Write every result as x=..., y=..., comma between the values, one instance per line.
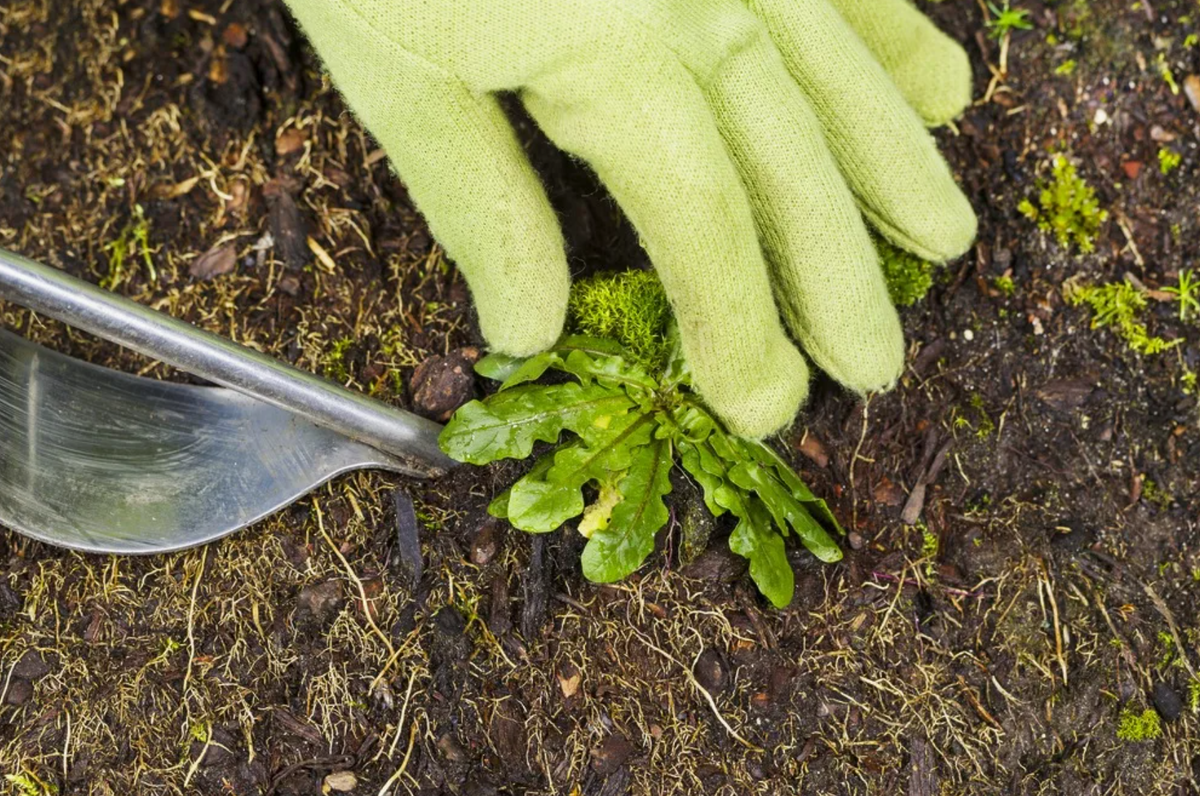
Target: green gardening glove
x=745, y=139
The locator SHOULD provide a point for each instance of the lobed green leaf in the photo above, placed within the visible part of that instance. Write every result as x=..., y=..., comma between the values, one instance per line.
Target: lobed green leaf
x=756, y=540
x=538, y=505
x=766, y=455
x=508, y=423
x=689, y=456
x=784, y=508
x=617, y=550
x=544, y=503
x=498, y=366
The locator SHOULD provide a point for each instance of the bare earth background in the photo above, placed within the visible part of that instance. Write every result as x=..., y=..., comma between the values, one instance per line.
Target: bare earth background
x=1054, y=580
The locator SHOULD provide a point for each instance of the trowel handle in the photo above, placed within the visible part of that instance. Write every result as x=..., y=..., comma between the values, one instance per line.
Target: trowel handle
x=117, y=319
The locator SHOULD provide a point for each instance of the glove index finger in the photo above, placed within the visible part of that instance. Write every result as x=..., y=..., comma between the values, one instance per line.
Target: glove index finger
x=930, y=69
x=460, y=159
x=888, y=158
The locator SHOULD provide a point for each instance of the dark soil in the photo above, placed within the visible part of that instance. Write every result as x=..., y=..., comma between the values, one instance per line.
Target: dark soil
x=1048, y=583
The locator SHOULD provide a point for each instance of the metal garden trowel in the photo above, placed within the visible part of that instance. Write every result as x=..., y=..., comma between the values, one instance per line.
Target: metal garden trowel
x=103, y=461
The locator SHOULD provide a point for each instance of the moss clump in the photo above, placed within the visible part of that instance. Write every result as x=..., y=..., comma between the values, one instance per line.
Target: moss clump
x=629, y=307
x=1139, y=726
x=334, y=364
x=908, y=277
x=1168, y=160
x=1067, y=207
x=1118, y=305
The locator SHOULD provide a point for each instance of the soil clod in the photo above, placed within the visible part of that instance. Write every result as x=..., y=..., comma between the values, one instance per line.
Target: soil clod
x=611, y=754
x=442, y=384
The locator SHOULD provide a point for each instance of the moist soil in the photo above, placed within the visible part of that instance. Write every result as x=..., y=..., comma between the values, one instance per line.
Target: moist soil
x=1022, y=565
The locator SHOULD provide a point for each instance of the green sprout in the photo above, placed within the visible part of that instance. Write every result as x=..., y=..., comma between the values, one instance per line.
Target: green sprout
x=1168, y=160
x=134, y=239
x=1118, y=306
x=1005, y=285
x=1187, y=293
x=1164, y=69
x=1067, y=206
x=1007, y=19
x=1066, y=68
x=1139, y=726
x=1188, y=381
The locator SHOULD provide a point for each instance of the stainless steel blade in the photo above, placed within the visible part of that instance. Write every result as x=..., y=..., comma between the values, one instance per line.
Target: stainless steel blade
x=102, y=461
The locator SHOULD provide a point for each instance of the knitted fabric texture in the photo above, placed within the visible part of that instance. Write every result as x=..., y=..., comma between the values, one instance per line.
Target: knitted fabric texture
x=746, y=140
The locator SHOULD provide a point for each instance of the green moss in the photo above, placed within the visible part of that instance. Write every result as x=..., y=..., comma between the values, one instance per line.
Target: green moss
x=1005, y=285
x=334, y=363
x=1118, y=305
x=908, y=277
x=28, y=784
x=629, y=307
x=1067, y=67
x=985, y=425
x=1067, y=207
x=1168, y=160
x=1153, y=493
x=1135, y=726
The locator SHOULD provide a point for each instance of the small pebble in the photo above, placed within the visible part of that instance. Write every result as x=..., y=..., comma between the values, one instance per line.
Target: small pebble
x=1166, y=701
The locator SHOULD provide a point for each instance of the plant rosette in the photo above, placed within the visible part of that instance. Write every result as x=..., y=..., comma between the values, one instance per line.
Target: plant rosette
x=620, y=429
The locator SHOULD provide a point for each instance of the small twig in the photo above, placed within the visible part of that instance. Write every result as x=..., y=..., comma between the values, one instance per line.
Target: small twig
x=362, y=591
x=946, y=589
x=1162, y=608
x=394, y=778
x=195, y=766
x=412, y=678
x=1126, y=650
x=191, y=626
x=712, y=703
x=1058, y=644
x=854, y=461
x=973, y=698
x=891, y=606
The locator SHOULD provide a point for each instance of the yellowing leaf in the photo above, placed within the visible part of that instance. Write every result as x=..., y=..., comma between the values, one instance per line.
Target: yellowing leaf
x=596, y=516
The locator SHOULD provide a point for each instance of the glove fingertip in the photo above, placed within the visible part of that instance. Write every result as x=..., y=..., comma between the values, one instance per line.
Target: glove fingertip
x=767, y=404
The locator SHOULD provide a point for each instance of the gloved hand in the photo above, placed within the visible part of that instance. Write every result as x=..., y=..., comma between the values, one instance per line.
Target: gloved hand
x=745, y=140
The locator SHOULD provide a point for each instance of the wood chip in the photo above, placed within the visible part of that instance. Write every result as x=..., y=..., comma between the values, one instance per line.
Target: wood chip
x=174, y=190
x=235, y=35
x=213, y=263
x=340, y=781
x=569, y=679
x=200, y=16
x=290, y=141
x=1191, y=87
x=408, y=540
x=814, y=449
